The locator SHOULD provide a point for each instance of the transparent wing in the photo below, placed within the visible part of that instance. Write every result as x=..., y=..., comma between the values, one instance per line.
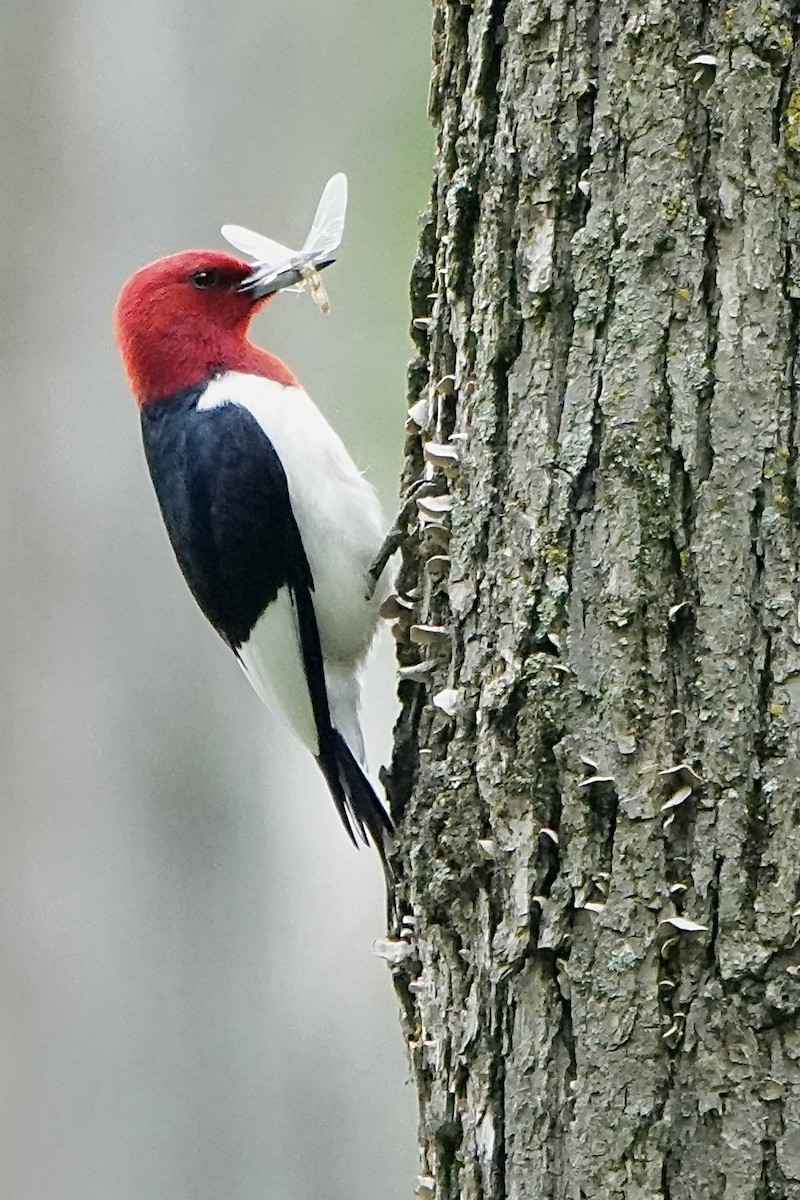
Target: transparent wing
x=262, y=250
x=327, y=227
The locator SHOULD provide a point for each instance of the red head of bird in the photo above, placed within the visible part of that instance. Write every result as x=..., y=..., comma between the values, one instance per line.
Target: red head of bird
x=182, y=320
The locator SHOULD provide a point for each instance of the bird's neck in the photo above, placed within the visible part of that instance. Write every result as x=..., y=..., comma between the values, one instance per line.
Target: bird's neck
x=164, y=370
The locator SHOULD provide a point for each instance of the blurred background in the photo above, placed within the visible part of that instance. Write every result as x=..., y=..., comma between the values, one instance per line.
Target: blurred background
x=189, y=1008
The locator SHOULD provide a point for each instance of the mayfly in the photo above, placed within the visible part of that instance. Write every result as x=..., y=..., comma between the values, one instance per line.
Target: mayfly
x=290, y=270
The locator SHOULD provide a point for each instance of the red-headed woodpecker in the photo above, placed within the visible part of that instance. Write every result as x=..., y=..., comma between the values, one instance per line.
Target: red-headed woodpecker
x=272, y=525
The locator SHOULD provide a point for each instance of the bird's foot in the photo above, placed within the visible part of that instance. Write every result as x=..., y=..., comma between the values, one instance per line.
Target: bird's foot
x=398, y=532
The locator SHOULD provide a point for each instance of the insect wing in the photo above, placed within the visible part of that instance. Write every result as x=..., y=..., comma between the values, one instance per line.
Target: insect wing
x=327, y=227
x=263, y=250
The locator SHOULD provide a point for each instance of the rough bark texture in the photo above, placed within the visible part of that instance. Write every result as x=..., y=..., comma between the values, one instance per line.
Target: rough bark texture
x=597, y=763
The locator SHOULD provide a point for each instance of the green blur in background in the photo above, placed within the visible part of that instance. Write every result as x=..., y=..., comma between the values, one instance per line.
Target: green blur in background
x=189, y=1009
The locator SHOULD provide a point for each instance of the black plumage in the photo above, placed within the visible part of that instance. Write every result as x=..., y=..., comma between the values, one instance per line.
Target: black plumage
x=226, y=507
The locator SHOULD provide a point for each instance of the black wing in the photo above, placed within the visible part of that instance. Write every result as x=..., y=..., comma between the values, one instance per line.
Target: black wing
x=226, y=507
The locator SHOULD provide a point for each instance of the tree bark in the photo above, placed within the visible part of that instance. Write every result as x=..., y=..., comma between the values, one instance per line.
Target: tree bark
x=597, y=762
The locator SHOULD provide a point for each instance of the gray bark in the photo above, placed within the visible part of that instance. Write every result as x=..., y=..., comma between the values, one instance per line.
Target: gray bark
x=596, y=763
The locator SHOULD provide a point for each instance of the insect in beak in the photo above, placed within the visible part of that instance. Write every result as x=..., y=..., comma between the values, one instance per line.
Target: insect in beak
x=259, y=284
x=278, y=268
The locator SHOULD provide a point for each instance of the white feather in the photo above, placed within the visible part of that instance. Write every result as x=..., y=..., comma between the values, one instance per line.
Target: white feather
x=341, y=526
x=344, y=698
x=272, y=662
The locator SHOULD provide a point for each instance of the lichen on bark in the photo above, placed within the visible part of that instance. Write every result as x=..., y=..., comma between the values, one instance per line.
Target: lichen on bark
x=597, y=762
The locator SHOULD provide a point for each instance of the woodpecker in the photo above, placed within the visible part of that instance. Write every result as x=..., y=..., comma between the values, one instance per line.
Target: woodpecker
x=272, y=525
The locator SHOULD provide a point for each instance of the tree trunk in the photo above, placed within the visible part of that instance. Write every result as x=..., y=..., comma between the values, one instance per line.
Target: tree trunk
x=597, y=762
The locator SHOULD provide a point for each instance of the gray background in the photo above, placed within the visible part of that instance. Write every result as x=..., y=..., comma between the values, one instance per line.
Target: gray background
x=189, y=1008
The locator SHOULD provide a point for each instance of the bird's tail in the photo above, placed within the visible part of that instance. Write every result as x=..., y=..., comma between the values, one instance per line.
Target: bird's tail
x=361, y=811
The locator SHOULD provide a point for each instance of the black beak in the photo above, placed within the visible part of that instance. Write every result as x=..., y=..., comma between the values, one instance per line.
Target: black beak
x=258, y=288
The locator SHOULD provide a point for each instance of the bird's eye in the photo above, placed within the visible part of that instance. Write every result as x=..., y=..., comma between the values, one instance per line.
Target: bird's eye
x=207, y=279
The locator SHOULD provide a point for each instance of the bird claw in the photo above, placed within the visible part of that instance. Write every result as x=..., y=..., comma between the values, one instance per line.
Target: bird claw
x=396, y=535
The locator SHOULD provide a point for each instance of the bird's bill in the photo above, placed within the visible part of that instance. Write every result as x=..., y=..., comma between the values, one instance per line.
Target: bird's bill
x=258, y=286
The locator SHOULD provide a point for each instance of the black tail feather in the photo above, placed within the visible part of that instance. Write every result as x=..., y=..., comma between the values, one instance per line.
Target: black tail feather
x=354, y=796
